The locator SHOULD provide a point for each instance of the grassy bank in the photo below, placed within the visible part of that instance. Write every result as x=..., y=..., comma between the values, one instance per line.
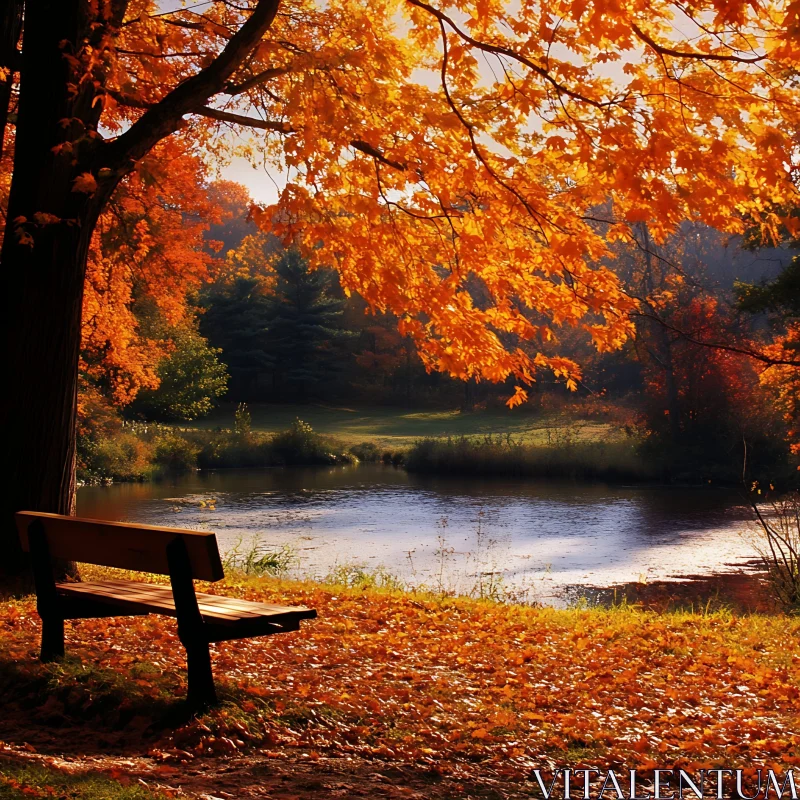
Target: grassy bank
x=449, y=690
x=580, y=443
x=397, y=428
x=614, y=460
x=145, y=451
x=273, y=436
x=504, y=456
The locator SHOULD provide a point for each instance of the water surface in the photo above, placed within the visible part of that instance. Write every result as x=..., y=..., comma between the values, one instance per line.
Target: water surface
x=541, y=538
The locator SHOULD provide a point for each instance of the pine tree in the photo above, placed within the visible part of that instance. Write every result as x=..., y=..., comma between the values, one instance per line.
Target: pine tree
x=236, y=321
x=305, y=333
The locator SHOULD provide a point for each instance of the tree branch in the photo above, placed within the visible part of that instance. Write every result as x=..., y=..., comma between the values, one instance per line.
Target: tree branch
x=729, y=348
x=203, y=27
x=369, y=150
x=256, y=80
x=281, y=127
x=128, y=100
x=509, y=53
x=241, y=119
x=668, y=51
x=164, y=117
x=207, y=111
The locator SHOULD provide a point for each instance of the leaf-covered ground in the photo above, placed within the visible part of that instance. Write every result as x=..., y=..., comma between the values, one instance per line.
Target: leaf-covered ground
x=396, y=695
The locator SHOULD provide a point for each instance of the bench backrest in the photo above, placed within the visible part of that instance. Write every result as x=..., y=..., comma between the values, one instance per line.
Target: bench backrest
x=142, y=548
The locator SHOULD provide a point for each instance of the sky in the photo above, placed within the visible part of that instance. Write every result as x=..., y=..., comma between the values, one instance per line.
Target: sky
x=263, y=186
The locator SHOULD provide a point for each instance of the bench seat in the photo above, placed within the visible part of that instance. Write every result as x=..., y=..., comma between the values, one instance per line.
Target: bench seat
x=133, y=597
x=184, y=555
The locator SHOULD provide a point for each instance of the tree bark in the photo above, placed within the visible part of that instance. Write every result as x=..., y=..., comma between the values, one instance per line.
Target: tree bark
x=45, y=246
x=10, y=29
x=49, y=226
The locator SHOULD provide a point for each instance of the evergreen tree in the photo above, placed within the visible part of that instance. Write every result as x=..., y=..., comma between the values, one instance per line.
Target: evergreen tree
x=236, y=321
x=780, y=296
x=305, y=333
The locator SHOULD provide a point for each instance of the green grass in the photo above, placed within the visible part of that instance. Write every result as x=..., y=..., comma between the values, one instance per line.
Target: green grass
x=19, y=782
x=285, y=435
x=394, y=428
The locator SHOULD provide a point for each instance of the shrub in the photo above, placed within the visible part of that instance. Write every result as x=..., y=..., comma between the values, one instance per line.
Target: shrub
x=300, y=445
x=223, y=449
x=503, y=456
x=124, y=457
x=778, y=545
x=175, y=453
x=191, y=380
x=366, y=452
x=242, y=421
x=143, y=449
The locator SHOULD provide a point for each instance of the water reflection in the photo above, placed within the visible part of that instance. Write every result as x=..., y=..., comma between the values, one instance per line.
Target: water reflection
x=543, y=536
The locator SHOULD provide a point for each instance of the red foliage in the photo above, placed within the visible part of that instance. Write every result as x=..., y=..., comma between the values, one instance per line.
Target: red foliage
x=716, y=392
x=149, y=247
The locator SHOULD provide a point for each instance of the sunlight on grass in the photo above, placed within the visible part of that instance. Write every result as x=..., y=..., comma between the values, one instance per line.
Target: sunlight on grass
x=399, y=428
x=22, y=783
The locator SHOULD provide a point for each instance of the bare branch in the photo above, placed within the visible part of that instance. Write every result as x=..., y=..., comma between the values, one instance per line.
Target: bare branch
x=698, y=56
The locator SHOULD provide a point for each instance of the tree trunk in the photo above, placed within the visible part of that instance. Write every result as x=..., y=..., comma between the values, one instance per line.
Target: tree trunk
x=54, y=203
x=408, y=376
x=673, y=402
x=45, y=246
x=10, y=28
x=40, y=410
x=468, y=403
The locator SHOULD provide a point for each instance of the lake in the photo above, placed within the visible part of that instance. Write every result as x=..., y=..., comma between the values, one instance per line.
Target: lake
x=544, y=541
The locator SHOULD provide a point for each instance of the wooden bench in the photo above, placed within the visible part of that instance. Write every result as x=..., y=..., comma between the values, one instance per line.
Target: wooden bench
x=182, y=554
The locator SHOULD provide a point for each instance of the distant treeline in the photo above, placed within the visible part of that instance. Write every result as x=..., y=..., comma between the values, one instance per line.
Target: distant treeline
x=268, y=329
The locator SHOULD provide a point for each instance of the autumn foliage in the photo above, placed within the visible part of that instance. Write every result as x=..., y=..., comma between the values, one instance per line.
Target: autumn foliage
x=719, y=400
x=783, y=381
x=148, y=247
x=492, y=173
x=429, y=149
x=466, y=165
x=459, y=689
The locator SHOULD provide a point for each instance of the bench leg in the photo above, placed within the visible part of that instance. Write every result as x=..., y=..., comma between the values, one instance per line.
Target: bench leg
x=52, y=638
x=201, y=680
